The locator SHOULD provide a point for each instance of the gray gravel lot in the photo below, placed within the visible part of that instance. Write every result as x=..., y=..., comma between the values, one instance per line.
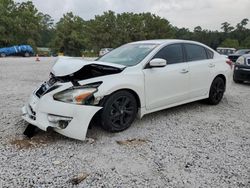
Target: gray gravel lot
x=194, y=145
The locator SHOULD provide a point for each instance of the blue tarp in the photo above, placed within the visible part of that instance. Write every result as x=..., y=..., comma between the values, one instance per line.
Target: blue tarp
x=21, y=49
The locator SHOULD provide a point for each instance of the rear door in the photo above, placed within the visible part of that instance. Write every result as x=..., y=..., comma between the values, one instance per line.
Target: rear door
x=167, y=85
x=200, y=66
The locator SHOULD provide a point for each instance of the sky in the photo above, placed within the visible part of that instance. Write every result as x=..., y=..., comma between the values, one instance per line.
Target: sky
x=209, y=14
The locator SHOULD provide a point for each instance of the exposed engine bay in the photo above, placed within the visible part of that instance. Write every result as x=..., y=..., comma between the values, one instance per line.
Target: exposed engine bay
x=88, y=71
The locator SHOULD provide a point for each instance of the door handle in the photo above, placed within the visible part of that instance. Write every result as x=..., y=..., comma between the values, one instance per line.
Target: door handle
x=184, y=71
x=211, y=65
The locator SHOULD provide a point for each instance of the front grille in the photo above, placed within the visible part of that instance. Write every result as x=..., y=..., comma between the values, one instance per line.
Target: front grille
x=46, y=87
x=51, y=81
x=32, y=113
x=41, y=91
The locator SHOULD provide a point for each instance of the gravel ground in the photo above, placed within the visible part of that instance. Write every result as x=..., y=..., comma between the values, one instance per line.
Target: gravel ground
x=193, y=145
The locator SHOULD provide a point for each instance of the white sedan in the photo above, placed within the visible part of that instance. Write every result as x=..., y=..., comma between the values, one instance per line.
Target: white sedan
x=135, y=79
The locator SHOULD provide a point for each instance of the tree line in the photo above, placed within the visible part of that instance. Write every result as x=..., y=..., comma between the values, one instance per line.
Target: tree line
x=22, y=23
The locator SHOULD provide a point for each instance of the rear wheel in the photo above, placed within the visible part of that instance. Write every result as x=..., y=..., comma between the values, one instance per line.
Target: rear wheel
x=216, y=92
x=26, y=54
x=3, y=55
x=119, y=111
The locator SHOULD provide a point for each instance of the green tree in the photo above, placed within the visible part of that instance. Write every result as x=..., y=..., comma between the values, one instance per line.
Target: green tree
x=246, y=42
x=241, y=32
x=230, y=43
x=183, y=33
x=22, y=23
x=225, y=26
x=46, y=30
x=197, y=29
x=102, y=31
x=69, y=35
x=26, y=27
x=242, y=25
x=7, y=7
x=112, y=30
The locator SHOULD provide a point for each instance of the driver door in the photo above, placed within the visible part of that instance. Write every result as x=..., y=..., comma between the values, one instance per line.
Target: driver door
x=167, y=85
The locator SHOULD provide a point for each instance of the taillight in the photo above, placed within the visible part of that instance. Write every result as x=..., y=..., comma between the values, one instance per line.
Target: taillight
x=230, y=63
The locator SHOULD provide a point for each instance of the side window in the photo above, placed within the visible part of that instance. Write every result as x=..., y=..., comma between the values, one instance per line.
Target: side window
x=210, y=54
x=195, y=52
x=172, y=53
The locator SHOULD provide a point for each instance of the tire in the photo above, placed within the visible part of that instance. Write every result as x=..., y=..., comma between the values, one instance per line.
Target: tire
x=3, y=55
x=119, y=111
x=216, y=92
x=26, y=54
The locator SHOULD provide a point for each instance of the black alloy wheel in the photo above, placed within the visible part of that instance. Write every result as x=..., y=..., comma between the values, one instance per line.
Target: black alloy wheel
x=216, y=91
x=119, y=111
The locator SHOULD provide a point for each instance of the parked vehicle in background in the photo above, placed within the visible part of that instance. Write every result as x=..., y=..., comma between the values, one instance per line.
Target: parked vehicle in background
x=20, y=50
x=225, y=51
x=242, y=69
x=135, y=79
x=237, y=54
x=104, y=51
x=45, y=52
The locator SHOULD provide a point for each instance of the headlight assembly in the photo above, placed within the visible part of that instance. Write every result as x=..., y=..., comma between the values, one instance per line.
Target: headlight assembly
x=78, y=95
x=241, y=60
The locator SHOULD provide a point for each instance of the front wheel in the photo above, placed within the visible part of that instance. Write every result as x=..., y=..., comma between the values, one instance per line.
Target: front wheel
x=119, y=111
x=3, y=55
x=216, y=92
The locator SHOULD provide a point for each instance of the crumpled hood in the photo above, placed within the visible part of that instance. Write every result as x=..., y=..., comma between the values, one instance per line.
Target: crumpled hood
x=67, y=65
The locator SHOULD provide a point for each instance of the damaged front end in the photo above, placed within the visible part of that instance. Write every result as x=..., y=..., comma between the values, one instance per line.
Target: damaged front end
x=62, y=103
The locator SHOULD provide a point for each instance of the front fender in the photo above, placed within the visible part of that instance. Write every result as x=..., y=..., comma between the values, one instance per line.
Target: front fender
x=114, y=83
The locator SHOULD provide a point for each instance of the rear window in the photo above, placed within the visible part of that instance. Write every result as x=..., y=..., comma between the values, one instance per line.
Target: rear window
x=195, y=52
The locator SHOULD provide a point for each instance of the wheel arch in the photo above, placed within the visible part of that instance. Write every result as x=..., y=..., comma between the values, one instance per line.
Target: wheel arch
x=223, y=77
x=134, y=93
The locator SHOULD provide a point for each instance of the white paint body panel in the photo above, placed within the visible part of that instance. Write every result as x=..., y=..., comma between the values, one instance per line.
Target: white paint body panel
x=166, y=85
x=157, y=88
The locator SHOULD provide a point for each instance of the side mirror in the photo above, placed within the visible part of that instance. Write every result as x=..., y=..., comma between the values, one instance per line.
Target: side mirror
x=157, y=62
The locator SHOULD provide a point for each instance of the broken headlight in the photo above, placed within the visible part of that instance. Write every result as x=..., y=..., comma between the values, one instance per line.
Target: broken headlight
x=78, y=95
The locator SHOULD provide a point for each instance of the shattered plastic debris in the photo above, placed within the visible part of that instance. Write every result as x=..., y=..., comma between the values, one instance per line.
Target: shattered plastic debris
x=90, y=140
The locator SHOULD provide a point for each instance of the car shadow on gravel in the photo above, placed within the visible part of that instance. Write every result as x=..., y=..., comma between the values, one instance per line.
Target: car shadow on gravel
x=95, y=131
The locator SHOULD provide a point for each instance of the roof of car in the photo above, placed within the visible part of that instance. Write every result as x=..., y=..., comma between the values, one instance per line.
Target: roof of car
x=163, y=41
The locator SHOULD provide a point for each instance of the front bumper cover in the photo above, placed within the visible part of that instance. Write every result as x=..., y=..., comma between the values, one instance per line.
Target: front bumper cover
x=242, y=72
x=37, y=111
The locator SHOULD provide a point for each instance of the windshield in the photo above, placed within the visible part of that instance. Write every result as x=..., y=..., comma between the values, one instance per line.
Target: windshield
x=129, y=54
x=241, y=52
